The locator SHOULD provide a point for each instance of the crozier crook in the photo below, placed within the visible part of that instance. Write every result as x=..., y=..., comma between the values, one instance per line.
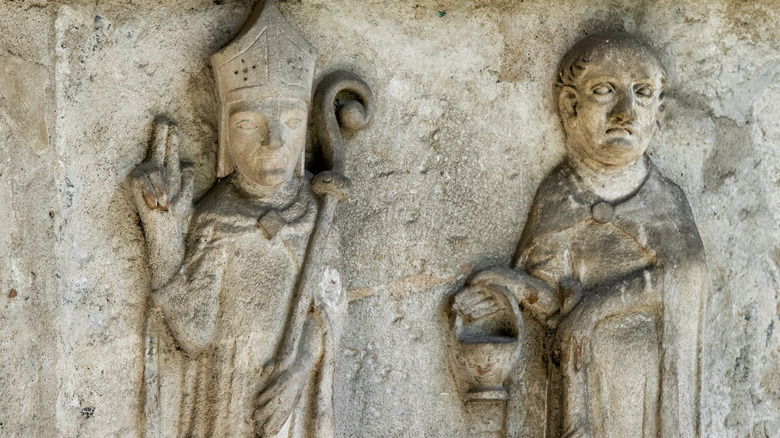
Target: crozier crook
x=342, y=101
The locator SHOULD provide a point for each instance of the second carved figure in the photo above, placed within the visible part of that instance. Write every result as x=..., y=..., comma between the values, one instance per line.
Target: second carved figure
x=610, y=256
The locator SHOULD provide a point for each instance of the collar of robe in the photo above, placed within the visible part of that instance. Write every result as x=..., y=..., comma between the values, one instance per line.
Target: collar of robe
x=274, y=209
x=602, y=211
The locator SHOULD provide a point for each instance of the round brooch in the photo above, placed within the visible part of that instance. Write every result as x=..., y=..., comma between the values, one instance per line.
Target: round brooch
x=602, y=212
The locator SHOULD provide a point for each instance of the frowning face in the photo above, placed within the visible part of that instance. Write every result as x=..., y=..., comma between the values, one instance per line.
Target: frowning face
x=614, y=111
x=267, y=139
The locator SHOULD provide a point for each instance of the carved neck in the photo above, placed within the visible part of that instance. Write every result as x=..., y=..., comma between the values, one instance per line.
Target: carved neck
x=268, y=194
x=611, y=183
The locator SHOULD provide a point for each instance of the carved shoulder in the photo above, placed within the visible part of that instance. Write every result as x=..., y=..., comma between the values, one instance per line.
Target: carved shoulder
x=671, y=205
x=554, y=208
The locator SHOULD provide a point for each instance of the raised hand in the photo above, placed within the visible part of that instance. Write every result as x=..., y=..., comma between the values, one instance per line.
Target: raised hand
x=159, y=182
x=162, y=193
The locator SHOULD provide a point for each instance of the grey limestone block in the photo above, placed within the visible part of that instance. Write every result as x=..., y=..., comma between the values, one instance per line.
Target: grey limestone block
x=464, y=132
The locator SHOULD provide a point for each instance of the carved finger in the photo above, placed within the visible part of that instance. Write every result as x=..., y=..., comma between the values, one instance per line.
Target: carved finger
x=157, y=150
x=499, y=286
x=460, y=300
x=484, y=308
x=278, y=414
x=476, y=310
x=568, y=356
x=263, y=416
x=184, y=198
x=271, y=392
x=486, y=302
x=471, y=296
x=260, y=417
x=585, y=350
x=160, y=189
x=576, y=353
x=277, y=419
x=570, y=298
x=470, y=310
x=565, y=357
x=172, y=165
x=143, y=192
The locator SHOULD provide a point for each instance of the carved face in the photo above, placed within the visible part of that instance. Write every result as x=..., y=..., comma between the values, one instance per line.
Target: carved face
x=267, y=139
x=615, y=110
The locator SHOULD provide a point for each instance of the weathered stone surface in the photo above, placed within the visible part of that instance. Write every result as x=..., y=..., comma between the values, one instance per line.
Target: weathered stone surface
x=443, y=178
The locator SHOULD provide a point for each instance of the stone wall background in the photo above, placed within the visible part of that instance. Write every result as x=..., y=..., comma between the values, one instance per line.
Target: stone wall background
x=464, y=132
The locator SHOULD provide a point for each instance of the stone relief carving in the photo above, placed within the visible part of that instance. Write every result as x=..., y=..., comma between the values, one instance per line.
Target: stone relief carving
x=484, y=348
x=239, y=281
x=610, y=257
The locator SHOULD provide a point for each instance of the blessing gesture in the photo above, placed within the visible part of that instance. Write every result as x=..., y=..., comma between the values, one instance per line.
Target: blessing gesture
x=162, y=193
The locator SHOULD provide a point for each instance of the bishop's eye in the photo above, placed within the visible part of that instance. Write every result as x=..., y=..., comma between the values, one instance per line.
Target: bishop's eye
x=293, y=122
x=602, y=89
x=247, y=125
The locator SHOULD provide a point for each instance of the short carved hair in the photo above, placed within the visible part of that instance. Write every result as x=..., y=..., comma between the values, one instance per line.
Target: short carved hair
x=576, y=60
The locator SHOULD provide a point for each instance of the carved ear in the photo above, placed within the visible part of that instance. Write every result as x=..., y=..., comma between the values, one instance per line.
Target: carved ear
x=661, y=114
x=567, y=103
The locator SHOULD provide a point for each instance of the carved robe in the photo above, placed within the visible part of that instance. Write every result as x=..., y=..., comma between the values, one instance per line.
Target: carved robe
x=641, y=263
x=227, y=309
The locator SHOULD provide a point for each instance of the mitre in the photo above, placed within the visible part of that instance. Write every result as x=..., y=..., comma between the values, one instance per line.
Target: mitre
x=268, y=59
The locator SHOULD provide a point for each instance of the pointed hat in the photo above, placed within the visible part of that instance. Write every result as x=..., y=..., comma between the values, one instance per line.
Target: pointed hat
x=268, y=59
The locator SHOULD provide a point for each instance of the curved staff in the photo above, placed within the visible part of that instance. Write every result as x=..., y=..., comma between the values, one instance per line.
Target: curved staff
x=342, y=101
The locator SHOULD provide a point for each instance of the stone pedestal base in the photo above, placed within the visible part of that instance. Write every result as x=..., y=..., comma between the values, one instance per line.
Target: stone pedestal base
x=487, y=418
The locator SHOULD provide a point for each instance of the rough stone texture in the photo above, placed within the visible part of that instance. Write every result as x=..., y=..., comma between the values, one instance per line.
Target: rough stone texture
x=443, y=177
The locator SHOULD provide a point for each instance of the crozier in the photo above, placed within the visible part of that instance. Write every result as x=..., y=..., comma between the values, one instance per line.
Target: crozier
x=241, y=333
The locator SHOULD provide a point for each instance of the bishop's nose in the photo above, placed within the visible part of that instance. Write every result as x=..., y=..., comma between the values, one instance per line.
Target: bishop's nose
x=623, y=111
x=274, y=140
